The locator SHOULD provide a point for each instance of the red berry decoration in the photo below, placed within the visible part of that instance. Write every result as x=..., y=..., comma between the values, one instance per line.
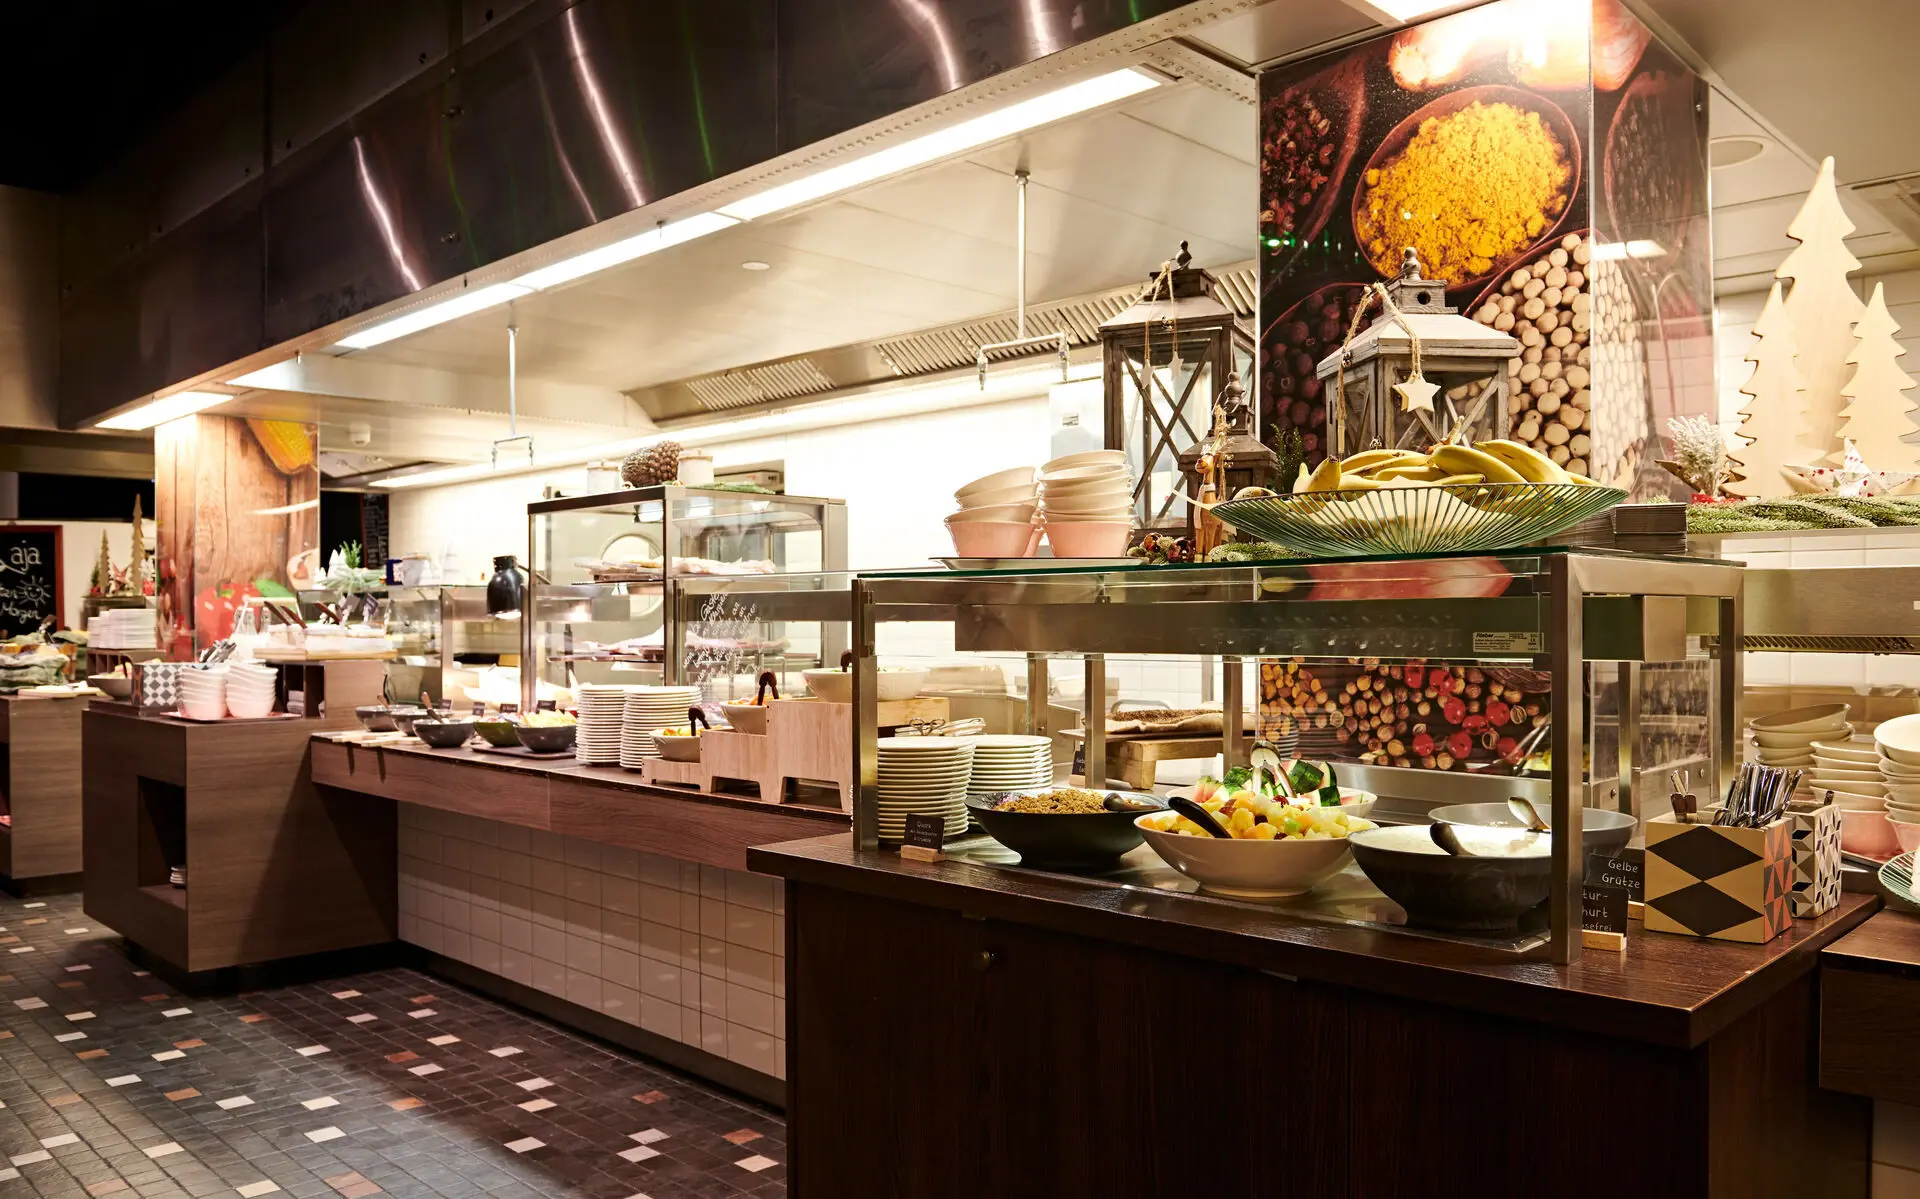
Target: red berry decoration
x=1498, y=711
x=1460, y=745
x=1453, y=709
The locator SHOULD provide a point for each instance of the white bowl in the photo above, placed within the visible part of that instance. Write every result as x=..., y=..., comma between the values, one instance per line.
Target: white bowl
x=1855, y=751
x=1831, y=775
x=1904, y=793
x=1082, y=488
x=1017, y=513
x=1848, y=801
x=1898, y=770
x=678, y=749
x=1025, y=494
x=1119, y=501
x=1018, y=476
x=746, y=718
x=1797, y=742
x=1897, y=813
x=1121, y=514
x=250, y=708
x=1816, y=719
x=1068, y=476
x=1797, y=760
x=1250, y=869
x=1085, y=458
x=1899, y=739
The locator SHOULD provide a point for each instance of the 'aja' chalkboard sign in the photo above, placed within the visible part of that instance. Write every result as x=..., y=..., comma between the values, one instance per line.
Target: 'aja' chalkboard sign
x=29, y=577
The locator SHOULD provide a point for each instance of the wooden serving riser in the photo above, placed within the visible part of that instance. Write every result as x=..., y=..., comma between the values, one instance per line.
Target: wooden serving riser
x=807, y=740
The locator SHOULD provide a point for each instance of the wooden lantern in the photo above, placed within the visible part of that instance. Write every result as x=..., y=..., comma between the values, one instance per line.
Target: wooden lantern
x=1229, y=458
x=1465, y=359
x=1168, y=358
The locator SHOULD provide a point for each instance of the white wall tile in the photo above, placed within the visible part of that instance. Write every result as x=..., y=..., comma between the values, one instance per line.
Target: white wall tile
x=713, y=918
x=549, y=909
x=750, y=968
x=660, y=979
x=751, y=928
x=659, y=872
x=549, y=944
x=713, y=1034
x=583, y=953
x=659, y=942
x=621, y=895
x=584, y=919
x=750, y=1007
x=550, y=976
x=583, y=988
x=752, y=1048
x=486, y=956
x=618, y=862
x=620, y=967
x=750, y=890
x=620, y=932
x=543, y=844
x=549, y=876
x=516, y=933
x=661, y=1016
x=660, y=905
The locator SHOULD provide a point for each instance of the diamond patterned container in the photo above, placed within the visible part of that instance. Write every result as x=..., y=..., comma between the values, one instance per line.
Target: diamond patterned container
x=1731, y=884
x=1816, y=859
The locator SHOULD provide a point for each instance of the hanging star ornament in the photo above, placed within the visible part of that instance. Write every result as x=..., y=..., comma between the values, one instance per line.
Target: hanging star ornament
x=1416, y=394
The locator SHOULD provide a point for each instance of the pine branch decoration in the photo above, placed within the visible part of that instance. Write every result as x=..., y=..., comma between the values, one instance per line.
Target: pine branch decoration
x=1699, y=453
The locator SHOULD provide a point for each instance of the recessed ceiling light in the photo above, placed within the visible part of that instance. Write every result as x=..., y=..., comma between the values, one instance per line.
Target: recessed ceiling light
x=756, y=265
x=1734, y=149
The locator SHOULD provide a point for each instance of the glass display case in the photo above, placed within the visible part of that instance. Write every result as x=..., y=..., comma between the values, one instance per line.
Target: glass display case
x=1619, y=665
x=606, y=570
x=443, y=637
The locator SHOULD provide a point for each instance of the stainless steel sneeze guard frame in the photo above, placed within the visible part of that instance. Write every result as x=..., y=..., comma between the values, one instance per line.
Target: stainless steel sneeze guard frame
x=1584, y=606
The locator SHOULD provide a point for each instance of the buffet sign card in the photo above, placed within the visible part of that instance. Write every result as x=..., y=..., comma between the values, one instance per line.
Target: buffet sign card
x=1625, y=868
x=925, y=837
x=1603, y=916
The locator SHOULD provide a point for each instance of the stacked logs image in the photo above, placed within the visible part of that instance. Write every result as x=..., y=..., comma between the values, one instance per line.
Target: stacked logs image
x=1437, y=716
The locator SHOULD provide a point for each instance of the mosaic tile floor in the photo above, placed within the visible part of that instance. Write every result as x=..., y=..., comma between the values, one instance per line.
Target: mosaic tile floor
x=381, y=1083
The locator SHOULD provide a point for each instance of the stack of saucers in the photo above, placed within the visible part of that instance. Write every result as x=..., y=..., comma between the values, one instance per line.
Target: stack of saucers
x=650, y=709
x=203, y=692
x=926, y=776
x=1005, y=762
x=250, y=690
x=603, y=710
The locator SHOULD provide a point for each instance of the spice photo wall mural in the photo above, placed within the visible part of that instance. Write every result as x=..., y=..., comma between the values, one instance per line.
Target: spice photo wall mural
x=1547, y=161
x=238, y=507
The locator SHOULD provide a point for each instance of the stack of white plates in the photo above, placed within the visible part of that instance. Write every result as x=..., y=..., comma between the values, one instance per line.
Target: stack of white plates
x=603, y=710
x=1897, y=742
x=124, y=628
x=650, y=709
x=250, y=690
x=924, y=775
x=1786, y=738
x=1004, y=762
x=203, y=693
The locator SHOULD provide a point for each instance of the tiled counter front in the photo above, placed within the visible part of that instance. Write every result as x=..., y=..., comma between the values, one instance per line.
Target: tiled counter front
x=688, y=952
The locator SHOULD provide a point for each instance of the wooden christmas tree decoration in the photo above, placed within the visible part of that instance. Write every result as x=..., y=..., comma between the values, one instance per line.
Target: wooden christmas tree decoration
x=1822, y=307
x=137, y=569
x=102, y=568
x=1881, y=415
x=1774, y=418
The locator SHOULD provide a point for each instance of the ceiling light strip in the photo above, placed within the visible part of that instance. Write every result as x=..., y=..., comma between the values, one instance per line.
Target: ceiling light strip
x=164, y=409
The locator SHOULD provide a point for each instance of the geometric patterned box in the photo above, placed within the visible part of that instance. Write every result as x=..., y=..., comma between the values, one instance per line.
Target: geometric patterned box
x=1732, y=884
x=1816, y=859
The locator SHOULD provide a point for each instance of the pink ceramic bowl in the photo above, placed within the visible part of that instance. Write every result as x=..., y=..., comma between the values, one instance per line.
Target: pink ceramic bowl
x=1089, y=539
x=991, y=538
x=1907, y=834
x=1869, y=834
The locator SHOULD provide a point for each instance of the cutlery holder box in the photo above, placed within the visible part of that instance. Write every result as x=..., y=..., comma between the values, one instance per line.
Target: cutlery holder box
x=1730, y=884
x=1816, y=859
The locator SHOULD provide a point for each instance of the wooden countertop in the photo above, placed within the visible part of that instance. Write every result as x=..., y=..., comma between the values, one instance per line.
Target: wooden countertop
x=1888, y=944
x=595, y=803
x=1666, y=990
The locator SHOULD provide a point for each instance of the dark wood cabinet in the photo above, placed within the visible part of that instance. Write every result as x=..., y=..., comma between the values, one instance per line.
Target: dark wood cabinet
x=933, y=1054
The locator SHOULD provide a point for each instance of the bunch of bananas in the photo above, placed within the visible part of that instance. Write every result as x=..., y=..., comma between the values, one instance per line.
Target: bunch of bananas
x=1443, y=466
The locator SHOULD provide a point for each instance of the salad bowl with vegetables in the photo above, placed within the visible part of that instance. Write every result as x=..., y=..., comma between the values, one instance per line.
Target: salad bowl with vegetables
x=1244, y=843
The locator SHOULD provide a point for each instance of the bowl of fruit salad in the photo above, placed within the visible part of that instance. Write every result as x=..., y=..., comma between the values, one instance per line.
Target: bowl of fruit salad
x=1274, y=848
x=547, y=732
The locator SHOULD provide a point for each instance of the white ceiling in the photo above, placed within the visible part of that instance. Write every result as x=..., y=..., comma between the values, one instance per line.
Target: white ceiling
x=1112, y=195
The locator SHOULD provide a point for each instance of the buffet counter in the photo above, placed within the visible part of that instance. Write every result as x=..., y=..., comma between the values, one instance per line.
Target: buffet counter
x=603, y=804
x=1869, y=981
x=1347, y=1050
x=40, y=790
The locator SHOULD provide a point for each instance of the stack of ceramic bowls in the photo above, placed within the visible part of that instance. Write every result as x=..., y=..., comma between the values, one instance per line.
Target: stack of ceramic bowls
x=603, y=712
x=1897, y=742
x=1009, y=763
x=650, y=709
x=1086, y=501
x=203, y=692
x=1786, y=739
x=924, y=776
x=995, y=519
x=250, y=690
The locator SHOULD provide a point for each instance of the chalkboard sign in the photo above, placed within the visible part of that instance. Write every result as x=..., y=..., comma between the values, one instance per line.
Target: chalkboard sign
x=1623, y=868
x=1603, y=909
x=926, y=832
x=29, y=577
x=373, y=529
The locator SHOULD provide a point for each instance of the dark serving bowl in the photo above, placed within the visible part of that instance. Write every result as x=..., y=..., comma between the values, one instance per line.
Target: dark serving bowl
x=1467, y=894
x=1601, y=830
x=375, y=718
x=1063, y=839
x=547, y=739
x=403, y=718
x=497, y=732
x=444, y=734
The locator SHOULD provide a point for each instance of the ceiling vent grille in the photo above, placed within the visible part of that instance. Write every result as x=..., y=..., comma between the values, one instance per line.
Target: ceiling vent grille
x=955, y=346
x=758, y=384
